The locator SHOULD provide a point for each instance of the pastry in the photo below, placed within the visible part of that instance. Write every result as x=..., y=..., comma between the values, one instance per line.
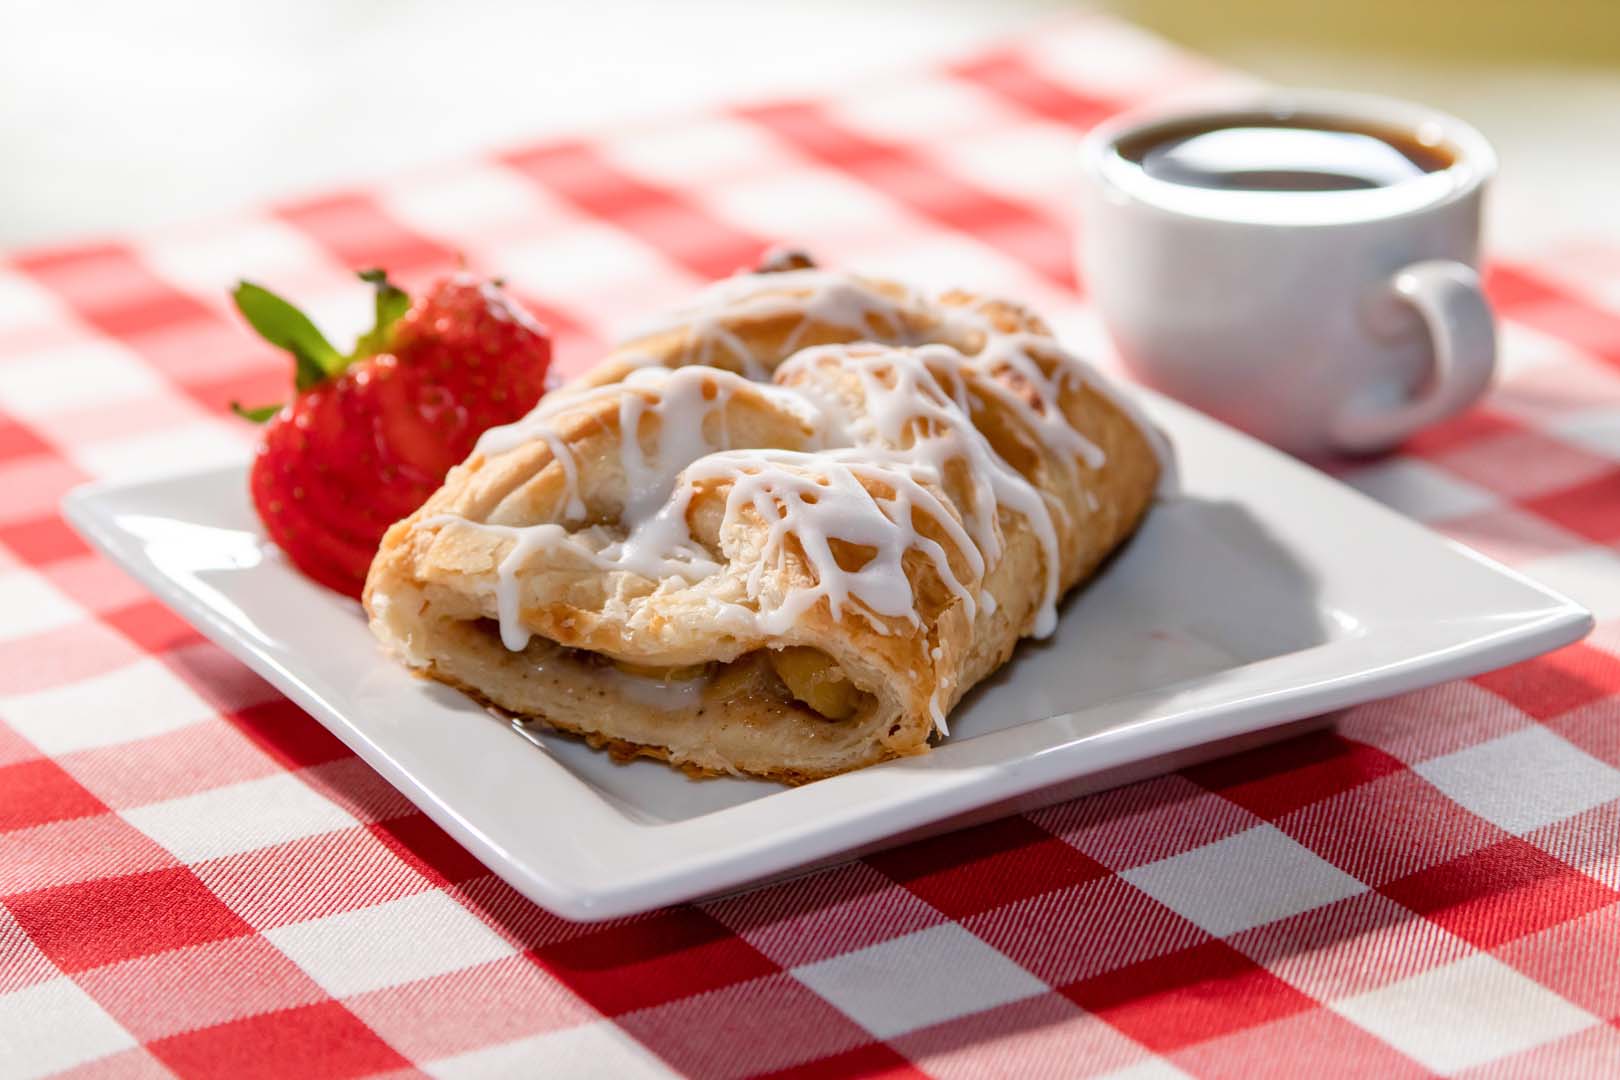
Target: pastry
x=779, y=533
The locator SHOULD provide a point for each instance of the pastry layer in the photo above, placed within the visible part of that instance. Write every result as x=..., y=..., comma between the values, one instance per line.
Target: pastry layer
x=780, y=535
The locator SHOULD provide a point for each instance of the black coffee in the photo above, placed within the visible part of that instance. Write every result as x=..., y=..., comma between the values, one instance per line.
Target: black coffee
x=1262, y=152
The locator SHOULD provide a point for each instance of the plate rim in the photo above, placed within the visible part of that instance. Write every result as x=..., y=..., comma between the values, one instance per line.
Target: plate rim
x=717, y=869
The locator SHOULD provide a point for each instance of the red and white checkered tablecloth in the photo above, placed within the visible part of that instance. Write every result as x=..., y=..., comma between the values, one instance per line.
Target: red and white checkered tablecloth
x=195, y=879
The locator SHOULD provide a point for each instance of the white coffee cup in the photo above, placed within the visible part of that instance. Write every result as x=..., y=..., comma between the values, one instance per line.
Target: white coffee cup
x=1318, y=321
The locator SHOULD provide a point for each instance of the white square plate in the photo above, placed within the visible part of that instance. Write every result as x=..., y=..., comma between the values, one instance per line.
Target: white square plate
x=1264, y=595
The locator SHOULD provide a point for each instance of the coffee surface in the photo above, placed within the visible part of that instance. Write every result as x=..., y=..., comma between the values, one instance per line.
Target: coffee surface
x=1262, y=152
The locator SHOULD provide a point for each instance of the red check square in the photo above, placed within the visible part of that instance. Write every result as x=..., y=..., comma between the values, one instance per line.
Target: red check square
x=34, y=792
x=428, y=849
x=1145, y=822
x=1594, y=728
x=977, y=869
x=95, y=584
x=874, y=1061
x=1500, y=893
x=1040, y=1036
x=113, y=290
x=1427, y=723
x=323, y=1040
x=14, y=748
x=484, y=1005
x=167, y=766
x=1523, y=464
x=75, y=850
x=91, y=923
x=635, y=965
x=359, y=233
x=311, y=878
x=42, y=541
x=136, y=1063
x=1318, y=1042
x=1085, y=930
x=1590, y=508
x=1472, y=426
x=1555, y=683
x=1007, y=74
x=1350, y=946
x=1395, y=826
x=199, y=986
x=67, y=654
x=1576, y=959
x=1585, y=842
x=820, y=915
x=1276, y=779
x=153, y=627
x=1185, y=997
x=1591, y=1052
x=516, y=918
x=288, y=734
x=1511, y=535
x=772, y=1023
x=17, y=441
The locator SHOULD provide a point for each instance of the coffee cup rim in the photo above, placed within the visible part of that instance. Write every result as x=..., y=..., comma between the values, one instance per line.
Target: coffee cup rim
x=1475, y=161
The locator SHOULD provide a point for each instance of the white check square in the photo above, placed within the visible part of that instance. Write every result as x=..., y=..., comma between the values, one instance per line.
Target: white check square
x=202, y=444
x=52, y=1026
x=471, y=200
x=1420, y=491
x=1246, y=880
x=917, y=980
x=23, y=303
x=29, y=605
x=132, y=702
x=1475, y=1010
x=96, y=371
x=694, y=154
x=1108, y=60
x=582, y=259
x=1523, y=780
x=206, y=261
x=239, y=817
x=596, y=1051
x=1151, y=1069
x=923, y=110
x=404, y=940
x=1589, y=576
x=1597, y=430
x=800, y=206
x=1015, y=162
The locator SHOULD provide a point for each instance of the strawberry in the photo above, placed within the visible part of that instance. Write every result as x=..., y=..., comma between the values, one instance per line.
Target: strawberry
x=370, y=434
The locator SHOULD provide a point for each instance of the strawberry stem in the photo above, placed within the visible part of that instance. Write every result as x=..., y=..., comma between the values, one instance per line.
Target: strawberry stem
x=392, y=302
x=258, y=414
x=284, y=326
x=315, y=359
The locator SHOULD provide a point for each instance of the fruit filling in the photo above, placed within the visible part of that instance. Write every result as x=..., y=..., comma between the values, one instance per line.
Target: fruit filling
x=806, y=678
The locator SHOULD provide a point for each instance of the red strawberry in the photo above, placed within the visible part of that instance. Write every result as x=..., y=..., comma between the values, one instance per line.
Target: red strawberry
x=370, y=435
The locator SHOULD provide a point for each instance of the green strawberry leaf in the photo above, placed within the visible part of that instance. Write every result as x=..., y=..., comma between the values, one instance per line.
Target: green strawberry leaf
x=283, y=325
x=392, y=302
x=258, y=415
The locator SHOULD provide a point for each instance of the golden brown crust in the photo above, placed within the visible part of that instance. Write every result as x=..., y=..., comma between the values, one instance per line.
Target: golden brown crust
x=435, y=588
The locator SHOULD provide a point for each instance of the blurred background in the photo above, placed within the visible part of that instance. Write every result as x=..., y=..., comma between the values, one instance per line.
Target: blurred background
x=129, y=116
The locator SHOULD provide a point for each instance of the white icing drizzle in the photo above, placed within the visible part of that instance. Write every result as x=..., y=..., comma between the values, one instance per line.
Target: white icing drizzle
x=915, y=420
x=903, y=396
x=821, y=497
x=815, y=297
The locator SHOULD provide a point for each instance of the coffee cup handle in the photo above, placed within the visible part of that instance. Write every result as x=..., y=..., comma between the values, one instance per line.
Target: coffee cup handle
x=1448, y=296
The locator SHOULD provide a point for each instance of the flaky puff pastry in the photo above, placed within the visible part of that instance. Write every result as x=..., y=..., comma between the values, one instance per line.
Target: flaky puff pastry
x=779, y=535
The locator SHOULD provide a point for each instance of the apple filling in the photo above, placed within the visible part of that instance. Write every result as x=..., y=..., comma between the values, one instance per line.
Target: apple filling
x=804, y=675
